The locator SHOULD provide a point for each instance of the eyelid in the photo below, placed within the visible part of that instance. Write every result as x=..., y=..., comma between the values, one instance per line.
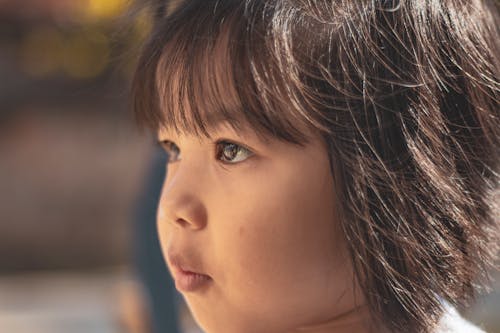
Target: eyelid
x=224, y=140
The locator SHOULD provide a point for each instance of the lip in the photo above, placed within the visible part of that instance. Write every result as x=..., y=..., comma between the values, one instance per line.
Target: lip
x=186, y=281
x=187, y=277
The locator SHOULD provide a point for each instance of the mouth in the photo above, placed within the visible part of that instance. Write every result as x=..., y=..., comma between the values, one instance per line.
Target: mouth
x=187, y=281
x=187, y=277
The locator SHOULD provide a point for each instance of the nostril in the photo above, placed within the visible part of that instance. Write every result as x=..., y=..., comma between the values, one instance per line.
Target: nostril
x=182, y=222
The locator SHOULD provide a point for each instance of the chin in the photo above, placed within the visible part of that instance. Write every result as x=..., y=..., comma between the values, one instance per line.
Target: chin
x=211, y=323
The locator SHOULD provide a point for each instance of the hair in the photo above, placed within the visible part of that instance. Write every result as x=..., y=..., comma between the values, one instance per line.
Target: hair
x=405, y=95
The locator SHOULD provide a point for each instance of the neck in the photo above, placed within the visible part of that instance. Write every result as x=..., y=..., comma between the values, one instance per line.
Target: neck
x=356, y=320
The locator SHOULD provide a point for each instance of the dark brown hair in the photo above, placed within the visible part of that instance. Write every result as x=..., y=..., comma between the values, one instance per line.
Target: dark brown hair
x=406, y=96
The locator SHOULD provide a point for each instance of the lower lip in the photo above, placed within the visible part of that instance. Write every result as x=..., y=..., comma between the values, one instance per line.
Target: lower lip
x=188, y=281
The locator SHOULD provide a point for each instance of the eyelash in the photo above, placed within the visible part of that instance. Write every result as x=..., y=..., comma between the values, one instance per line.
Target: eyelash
x=219, y=146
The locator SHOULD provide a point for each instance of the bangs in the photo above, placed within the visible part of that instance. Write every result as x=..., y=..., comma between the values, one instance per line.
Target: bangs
x=202, y=73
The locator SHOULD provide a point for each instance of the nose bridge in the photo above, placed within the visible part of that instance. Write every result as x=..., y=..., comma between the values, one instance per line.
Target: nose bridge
x=181, y=197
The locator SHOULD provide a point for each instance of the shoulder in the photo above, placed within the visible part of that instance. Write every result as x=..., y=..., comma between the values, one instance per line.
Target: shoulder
x=452, y=322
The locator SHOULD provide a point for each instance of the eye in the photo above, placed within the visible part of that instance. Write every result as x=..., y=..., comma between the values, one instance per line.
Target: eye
x=173, y=152
x=231, y=153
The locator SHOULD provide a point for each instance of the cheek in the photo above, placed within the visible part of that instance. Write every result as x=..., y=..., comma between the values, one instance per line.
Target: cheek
x=281, y=235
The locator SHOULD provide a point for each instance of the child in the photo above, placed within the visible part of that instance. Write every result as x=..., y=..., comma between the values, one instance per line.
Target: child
x=331, y=164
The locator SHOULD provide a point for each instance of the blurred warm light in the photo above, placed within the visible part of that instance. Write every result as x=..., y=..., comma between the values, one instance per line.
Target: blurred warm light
x=40, y=51
x=86, y=54
x=104, y=9
x=83, y=54
x=143, y=24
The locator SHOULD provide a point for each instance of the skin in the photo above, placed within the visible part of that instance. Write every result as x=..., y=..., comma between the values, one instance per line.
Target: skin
x=265, y=230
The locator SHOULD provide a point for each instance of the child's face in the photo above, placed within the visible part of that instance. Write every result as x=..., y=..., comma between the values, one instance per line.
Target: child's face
x=264, y=229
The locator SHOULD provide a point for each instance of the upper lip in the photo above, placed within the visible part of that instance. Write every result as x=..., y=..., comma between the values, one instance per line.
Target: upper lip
x=183, y=264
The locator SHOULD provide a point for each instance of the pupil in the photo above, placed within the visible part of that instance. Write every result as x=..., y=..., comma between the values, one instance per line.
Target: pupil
x=231, y=151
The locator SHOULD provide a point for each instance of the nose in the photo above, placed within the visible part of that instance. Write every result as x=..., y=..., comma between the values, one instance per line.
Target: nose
x=181, y=201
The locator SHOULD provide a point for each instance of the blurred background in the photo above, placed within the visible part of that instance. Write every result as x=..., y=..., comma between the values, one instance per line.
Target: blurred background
x=79, y=183
x=76, y=177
